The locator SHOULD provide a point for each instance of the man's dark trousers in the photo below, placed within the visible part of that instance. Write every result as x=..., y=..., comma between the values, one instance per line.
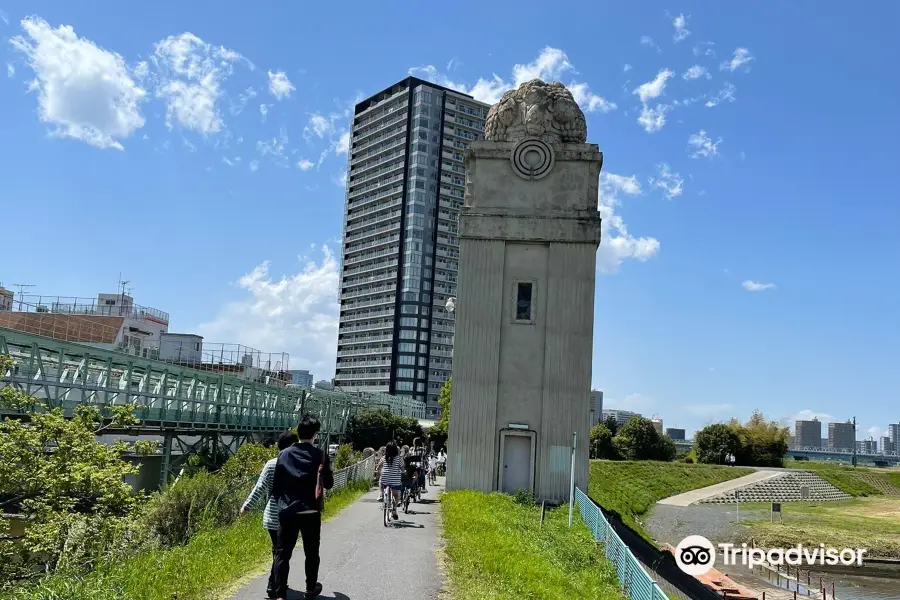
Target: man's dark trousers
x=309, y=528
x=270, y=587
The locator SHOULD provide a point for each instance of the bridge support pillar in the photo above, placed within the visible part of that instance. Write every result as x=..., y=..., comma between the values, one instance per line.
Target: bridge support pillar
x=166, y=460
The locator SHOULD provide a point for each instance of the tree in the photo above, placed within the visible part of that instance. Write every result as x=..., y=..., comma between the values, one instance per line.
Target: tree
x=611, y=424
x=441, y=430
x=375, y=427
x=762, y=443
x=602, y=443
x=714, y=443
x=345, y=457
x=639, y=440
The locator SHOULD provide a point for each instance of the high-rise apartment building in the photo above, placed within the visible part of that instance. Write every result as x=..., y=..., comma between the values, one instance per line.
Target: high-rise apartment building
x=808, y=434
x=596, y=406
x=619, y=416
x=405, y=186
x=841, y=436
x=894, y=433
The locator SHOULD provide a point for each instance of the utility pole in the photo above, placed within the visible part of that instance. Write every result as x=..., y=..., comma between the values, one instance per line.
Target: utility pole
x=122, y=285
x=22, y=287
x=854, y=441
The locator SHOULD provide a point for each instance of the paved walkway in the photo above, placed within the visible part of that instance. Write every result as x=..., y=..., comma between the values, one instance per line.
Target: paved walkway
x=364, y=560
x=694, y=496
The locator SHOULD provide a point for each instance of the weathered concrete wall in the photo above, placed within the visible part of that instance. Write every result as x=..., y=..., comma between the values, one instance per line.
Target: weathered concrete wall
x=538, y=374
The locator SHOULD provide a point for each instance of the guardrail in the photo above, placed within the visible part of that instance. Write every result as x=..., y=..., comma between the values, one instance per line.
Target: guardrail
x=636, y=584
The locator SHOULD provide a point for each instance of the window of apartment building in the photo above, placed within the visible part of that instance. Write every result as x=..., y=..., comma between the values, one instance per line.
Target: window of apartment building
x=404, y=386
x=407, y=309
x=406, y=347
x=405, y=359
x=407, y=373
x=423, y=349
x=407, y=334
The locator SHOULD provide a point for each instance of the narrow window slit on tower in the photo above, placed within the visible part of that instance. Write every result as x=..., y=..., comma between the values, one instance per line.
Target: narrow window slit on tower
x=523, y=301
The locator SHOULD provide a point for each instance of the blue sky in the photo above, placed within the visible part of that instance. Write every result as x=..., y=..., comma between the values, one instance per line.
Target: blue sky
x=750, y=203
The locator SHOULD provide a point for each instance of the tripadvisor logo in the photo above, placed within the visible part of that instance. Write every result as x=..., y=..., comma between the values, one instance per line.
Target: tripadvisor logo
x=696, y=555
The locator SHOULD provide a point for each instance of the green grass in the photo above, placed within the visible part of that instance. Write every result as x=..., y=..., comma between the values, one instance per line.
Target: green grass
x=497, y=550
x=872, y=523
x=852, y=480
x=207, y=567
x=631, y=488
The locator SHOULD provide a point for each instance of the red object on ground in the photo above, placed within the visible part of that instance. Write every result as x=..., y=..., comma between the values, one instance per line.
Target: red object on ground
x=719, y=582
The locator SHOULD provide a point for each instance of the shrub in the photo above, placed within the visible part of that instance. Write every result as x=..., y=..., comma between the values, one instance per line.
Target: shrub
x=524, y=497
x=246, y=464
x=191, y=504
x=345, y=457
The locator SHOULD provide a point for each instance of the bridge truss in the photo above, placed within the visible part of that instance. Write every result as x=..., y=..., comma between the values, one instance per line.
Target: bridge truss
x=192, y=410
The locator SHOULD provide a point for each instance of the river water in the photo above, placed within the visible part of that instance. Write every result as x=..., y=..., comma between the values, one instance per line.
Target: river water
x=717, y=523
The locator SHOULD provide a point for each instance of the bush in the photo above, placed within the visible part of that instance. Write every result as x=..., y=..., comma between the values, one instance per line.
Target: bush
x=246, y=463
x=524, y=497
x=191, y=504
x=345, y=457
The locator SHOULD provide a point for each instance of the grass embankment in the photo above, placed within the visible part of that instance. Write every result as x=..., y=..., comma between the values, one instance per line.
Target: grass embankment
x=208, y=566
x=631, y=488
x=856, y=481
x=872, y=523
x=497, y=550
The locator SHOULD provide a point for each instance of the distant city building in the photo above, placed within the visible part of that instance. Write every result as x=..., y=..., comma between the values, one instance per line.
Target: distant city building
x=841, y=436
x=301, y=378
x=181, y=348
x=6, y=300
x=596, y=406
x=657, y=425
x=790, y=440
x=620, y=416
x=808, y=434
x=869, y=446
x=887, y=446
x=894, y=433
x=824, y=443
x=675, y=434
x=324, y=385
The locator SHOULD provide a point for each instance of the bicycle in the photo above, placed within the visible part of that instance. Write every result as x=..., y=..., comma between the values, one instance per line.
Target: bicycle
x=388, y=505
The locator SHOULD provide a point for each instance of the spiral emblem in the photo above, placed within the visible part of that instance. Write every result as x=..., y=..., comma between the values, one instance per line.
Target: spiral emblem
x=532, y=158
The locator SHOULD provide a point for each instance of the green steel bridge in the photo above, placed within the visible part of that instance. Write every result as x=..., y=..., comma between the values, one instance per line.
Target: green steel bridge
x=220, y=411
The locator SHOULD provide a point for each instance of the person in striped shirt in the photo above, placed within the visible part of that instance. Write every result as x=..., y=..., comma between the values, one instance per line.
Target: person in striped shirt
x=392, y=474
x=263, y=489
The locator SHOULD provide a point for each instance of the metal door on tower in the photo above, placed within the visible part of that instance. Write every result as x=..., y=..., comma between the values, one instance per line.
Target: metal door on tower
x=516, y=463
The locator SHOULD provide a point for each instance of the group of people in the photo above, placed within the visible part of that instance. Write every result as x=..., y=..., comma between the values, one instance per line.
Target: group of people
x=293, y=485
x=404, y=467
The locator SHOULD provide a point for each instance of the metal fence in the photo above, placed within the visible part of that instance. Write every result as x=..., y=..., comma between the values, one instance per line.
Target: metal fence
x=363, y=470
x=635, y=582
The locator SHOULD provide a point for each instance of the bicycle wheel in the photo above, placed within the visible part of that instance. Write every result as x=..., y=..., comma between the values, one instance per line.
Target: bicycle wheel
x=406, y=503
x=385, y=513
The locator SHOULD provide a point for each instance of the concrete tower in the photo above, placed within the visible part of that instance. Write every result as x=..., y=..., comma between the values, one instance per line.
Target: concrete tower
x=528, y=237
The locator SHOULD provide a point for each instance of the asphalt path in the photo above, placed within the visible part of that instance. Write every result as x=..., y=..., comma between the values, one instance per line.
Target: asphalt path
x=364, y=560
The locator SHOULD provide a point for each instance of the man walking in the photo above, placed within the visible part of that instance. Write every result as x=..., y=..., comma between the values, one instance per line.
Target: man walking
x=299, y=472
x=263, y=489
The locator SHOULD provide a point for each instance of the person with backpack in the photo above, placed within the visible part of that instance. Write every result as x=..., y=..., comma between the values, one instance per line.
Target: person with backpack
x=302, y=474
x=263, y=489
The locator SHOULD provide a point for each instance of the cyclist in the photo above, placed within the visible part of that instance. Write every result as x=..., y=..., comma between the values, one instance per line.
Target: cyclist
x=432, y=465
x=392, y=475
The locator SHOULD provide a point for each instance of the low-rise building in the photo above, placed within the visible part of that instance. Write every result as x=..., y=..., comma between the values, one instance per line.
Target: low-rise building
x=675, y=433
x=620, y=416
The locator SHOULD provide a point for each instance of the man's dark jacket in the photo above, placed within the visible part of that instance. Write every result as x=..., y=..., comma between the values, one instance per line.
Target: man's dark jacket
x=294, y=483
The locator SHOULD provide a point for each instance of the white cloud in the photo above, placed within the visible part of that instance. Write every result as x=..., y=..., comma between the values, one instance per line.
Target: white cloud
x=85, y=92
x=342, y=145
x=305, y=165
x=704, y=49
x=4, y=17
x=263, y=111
x=809, y=415
x=319, y=125
x=741, y=57
x=681, y=30
x=670, y=182
x=340, y=179
x=297, y=314
x=626, y=68
x=646, y=40
x=726, y=93
x=654, y=88
x=653, y=119
x=238, y=107
x=616, y=243
x=551, y=64
x=703, y=146
x=877, y=432
x=279, y=85
x=231, y=162
x=10, y=70
x=696, y=72
x=254, y=166
x=190, y=76
x=756, y=286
